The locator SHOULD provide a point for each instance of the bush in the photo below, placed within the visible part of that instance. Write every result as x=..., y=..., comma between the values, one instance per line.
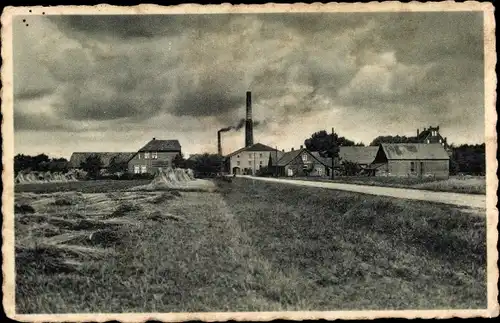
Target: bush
x=264, y=172
x=23, y=208
x=131, y=176
x=62, y=202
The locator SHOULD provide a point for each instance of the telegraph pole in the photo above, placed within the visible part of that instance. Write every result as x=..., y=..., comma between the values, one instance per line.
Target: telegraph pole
x=276, y=162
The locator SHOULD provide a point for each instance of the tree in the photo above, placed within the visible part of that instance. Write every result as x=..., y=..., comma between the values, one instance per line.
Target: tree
x=469, y=159
x=394, y=140
x=117, y=166
x=39, y=163
x=92, y=165
x=350, y=168
x=327, y=145
x=179, y=161
x=207, y=164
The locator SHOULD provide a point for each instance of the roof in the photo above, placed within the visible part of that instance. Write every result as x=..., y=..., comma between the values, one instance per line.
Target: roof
x=275, y=157
x=289, y=156
x=414, y=151
x=324, y=160
x=254, y=147
x=162, y=145
x=357, y=154
x=106, y=157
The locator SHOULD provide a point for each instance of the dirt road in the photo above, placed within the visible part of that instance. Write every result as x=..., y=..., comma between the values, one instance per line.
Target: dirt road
x=469, y=200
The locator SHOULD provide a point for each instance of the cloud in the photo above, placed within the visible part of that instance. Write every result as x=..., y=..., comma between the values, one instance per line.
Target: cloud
x=189, y=73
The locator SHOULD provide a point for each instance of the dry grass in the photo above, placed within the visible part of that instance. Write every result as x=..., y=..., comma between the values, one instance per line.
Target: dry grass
x=252, y=247
x=469, y=185
x=99, y=186
x=466, y=184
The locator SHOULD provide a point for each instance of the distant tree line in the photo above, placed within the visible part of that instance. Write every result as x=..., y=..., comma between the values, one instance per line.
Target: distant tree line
x=39, y=163
x=394, y=140
x=322, y=141
x=468, y=159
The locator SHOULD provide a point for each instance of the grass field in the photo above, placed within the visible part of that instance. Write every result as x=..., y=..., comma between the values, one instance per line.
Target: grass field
x=100, y=186
x=250, y=246
x=467, y=185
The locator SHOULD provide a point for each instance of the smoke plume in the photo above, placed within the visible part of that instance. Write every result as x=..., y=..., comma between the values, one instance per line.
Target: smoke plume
x=239, y=126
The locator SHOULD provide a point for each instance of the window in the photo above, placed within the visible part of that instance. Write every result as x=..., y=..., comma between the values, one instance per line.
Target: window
x=320, y=171
x=304, y=157
x=146, y=155
x=238, y=163
x=139, y=156
x=260, y=163
x=250, y=162
x=137, y=169
x=260, y=155
x=238, y=156
x=154, y=155
x=143, y=169
x=412, y=167
x=440, y=141
x=427, y=141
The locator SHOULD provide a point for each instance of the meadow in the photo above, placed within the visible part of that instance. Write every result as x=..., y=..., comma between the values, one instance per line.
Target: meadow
x=456, y=184
x=249, y=246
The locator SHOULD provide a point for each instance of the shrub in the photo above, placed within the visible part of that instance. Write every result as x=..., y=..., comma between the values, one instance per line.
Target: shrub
x=23, y=208
x=62, y=202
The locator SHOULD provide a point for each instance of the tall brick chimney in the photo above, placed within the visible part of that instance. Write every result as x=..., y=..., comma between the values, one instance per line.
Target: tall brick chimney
x=219, y=145
x=249, y=122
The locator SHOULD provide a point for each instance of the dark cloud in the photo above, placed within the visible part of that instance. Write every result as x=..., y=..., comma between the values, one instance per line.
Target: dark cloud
x=33, y=94
x=37, y=122
x=140, y=26
x=206, y=101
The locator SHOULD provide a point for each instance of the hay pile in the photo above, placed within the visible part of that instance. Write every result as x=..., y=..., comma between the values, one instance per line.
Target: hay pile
x=45, y=177
x=176, y=179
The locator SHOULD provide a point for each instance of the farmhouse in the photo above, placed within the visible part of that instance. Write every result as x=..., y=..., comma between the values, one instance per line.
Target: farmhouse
x=154, y=155
x=300, y=162
x=248, y=160
x=419, y=160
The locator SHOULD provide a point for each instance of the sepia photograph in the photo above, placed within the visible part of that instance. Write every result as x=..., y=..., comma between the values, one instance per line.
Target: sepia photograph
x=217, y=162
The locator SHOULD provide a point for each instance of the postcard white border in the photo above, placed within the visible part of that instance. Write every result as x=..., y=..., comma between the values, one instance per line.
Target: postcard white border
x=390, y=6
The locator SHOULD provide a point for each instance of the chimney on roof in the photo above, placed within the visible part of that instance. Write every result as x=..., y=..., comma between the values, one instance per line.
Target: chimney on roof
x=154, y=138
x=437, y=128
x=282, y=150
x=301, y=146
x=418, y=132
x=249, y=122
x=292, y=149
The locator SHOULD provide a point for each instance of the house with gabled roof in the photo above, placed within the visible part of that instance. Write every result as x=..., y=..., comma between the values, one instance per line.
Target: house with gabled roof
x=409, y=159
x=148, y=159
x=249, y=160
x=300, y=162
x=154, y=155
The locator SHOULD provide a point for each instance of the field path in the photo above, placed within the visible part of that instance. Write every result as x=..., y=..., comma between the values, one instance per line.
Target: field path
x=459, y=199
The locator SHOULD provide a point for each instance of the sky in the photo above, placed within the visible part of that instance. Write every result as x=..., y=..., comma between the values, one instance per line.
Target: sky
x=113, y=82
